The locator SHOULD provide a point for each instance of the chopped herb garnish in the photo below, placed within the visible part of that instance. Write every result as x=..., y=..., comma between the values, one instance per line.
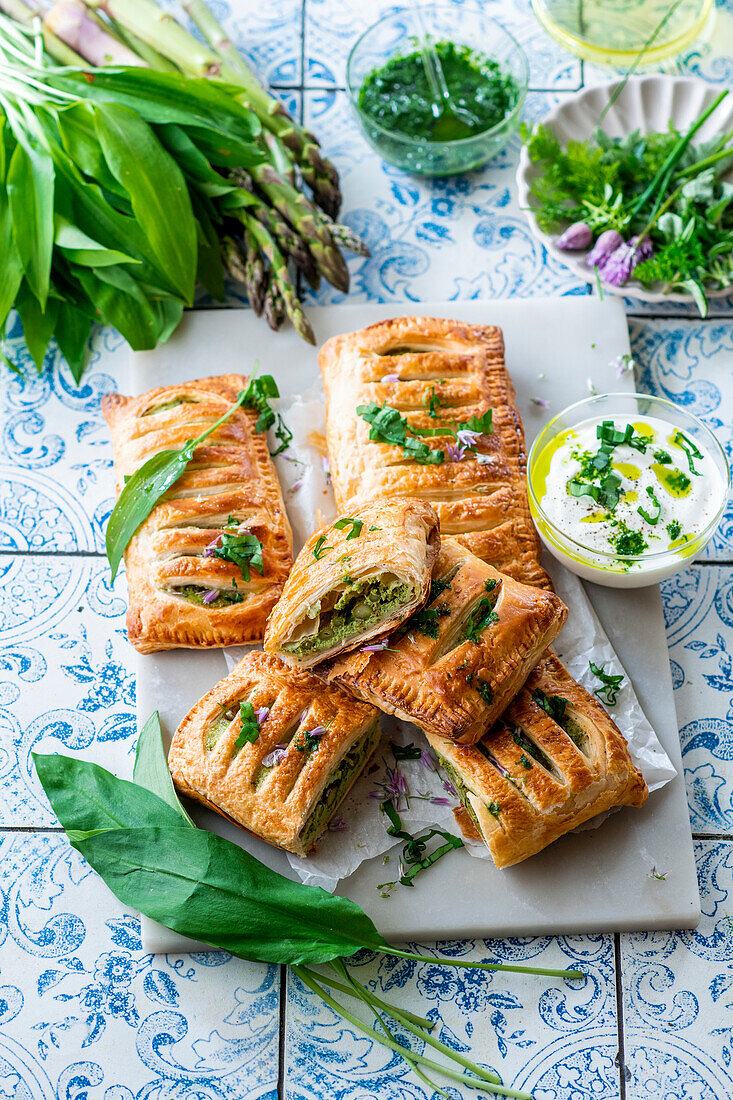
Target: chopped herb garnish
x=654, y=520
x=373, y=528
x=674, y=528
x=611, y=437
x=243, y=550
x=611, y=685
x=432, y=401
x=257, y=396
x=413, y=859
x=485, y=691
x=554, y=705
x=387, y=425
x=654, y=873
x=490, y=584
x=525, y=762
x=482, y=424
x=626, y=542
x=320, y=548
x=494, y=808
x=662, y=457
x=482, y=616
x=283, y=433
x=250, y=730
x=607, y=493
x=356, y=526
x=426, y=620
x=689, y=448
x=405, y=752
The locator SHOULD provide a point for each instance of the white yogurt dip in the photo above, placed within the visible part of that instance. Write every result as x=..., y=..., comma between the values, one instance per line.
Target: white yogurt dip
x=637, y=491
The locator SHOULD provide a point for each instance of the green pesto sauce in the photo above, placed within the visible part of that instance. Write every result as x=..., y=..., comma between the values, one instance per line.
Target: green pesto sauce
x=398, y=97
x=195, y=593
x=339, y=784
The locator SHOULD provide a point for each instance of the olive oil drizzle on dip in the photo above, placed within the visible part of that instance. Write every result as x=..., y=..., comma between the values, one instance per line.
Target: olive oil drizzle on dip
x=628, y=488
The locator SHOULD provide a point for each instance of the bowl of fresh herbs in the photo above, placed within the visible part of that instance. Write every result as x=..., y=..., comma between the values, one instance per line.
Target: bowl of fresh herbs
x=631, y=184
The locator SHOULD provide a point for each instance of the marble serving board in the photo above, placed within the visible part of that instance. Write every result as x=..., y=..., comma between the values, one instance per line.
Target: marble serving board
x=596, y=881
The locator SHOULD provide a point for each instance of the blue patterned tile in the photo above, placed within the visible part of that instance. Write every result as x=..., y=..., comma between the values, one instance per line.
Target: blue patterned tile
x=333, y=26
x=456, y=238
x=678, y=1010
x=85, y=1013
x=65, y=679
x=56, y=484
x=691, y=363
x=538, y=1034
x=698, y=608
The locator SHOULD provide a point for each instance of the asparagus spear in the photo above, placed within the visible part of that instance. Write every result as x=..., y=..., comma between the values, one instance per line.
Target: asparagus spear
x=244, y=264
x=282, y=297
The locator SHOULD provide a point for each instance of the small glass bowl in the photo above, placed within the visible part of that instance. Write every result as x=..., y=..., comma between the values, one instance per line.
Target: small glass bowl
x=388, y=37
x=610, y=569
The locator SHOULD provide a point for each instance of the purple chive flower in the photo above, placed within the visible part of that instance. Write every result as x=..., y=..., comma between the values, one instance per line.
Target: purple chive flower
x=390, y=378
x=448, y=786
x=618, y=267
x=483, y=460
x=297, y=485
x=209, y=550
x=210, y=596
x=275, y=756
x=499, y=767
x=623, y=364
x=326, y=466
x=337, y=824
x=454, y=452
x=440, y=801
x=644, y=250
x=539, y=402
x=375, y=647
x=261, y=714
x=468, y=438
x=607, y=243
x=317, y=731
x=427, y=761
x=576, y=238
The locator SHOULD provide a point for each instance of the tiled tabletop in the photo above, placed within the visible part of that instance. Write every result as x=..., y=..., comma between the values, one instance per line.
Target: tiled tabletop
x=84, y=1013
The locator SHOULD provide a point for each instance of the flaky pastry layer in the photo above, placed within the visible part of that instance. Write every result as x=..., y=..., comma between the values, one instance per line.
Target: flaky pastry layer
x=230, y=475
x=272, y=800
x=455, y=666
x=412, y=364
x=534, y=777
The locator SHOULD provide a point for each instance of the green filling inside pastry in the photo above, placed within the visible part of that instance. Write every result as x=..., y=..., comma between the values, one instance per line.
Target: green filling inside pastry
x=533, y=750
x=461, y=790
x=357, y=608
x=576, y=733
x=182, y=400
x=338, y=785
x=195, y=593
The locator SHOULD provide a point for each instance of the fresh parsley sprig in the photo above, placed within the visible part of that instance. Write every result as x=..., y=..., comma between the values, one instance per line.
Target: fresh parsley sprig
x=250, y=731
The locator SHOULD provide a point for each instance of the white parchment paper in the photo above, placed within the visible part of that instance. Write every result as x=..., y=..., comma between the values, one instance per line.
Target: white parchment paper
x=358, y=830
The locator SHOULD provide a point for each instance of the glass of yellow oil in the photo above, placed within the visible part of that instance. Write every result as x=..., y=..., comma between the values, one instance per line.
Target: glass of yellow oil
x=614, y=32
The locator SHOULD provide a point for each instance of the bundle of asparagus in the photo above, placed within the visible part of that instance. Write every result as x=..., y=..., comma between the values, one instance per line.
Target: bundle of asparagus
x=138, y=161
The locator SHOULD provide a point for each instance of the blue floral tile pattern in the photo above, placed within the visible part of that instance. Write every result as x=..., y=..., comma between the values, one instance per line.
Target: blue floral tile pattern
x=534, y=1032
x=456, y=238
x=677, y=995
x=84, y=1012
x=65, y=679
x=698, y=606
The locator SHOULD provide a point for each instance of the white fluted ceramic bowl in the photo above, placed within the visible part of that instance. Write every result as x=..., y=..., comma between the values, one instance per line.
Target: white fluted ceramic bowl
x=646, y=103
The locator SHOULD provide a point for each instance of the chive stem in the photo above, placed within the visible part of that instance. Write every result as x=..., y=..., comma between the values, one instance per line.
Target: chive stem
x=418, y=1021
x=308, y=979
x=441, y=961
x=398, y=1015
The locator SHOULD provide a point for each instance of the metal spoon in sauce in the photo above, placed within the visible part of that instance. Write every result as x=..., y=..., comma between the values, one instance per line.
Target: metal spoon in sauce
x=451, y=121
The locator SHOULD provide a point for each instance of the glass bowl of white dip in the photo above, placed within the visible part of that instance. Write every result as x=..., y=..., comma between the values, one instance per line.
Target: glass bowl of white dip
x=626, y=489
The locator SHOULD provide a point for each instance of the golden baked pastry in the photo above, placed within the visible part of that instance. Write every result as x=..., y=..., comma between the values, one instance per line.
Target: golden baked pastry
x=435, y=372
x=358, y=578
x=454, y=666
x=309, y=743
x=183, y=591
x=537, y=775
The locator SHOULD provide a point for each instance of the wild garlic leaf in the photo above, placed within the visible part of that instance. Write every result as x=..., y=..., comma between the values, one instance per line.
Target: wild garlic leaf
x=147, y=485
x=151, y=766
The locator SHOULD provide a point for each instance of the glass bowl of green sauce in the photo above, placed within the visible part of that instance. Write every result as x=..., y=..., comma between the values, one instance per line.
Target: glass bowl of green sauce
x=486, y=73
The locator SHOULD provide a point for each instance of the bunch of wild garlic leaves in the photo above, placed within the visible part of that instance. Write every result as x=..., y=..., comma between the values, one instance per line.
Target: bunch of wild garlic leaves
x=125, y=186
x=657, y=206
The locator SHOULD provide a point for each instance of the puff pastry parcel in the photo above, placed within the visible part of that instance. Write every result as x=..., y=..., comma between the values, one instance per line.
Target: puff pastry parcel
x=183, y=591
x=312, y=742
x=433, y=372
x=537, y=775
x=354, y=580
x=454, y=666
